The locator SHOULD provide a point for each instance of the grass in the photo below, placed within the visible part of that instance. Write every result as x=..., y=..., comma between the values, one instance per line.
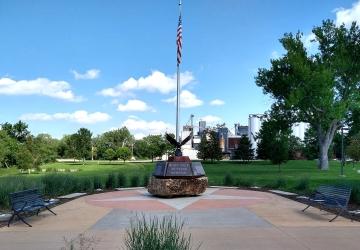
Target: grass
x=157, y=234
x=296, y=176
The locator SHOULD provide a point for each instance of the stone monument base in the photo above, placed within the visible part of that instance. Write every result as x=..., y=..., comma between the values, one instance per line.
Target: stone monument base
x=171, y=187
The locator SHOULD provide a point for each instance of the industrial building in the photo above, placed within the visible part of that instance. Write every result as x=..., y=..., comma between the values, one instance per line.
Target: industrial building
x=229, y=140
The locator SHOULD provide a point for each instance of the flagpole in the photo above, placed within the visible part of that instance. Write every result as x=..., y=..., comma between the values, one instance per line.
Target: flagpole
x=178, y=92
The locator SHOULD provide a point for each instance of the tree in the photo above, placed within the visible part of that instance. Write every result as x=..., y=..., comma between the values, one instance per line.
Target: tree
x=203, y=152
x=276, y=122
x=311, y=145
x=123, y=153
x=18, y=131
x=110, y=154
x=264, y=140
x=155, y=146
x=244, y=151
x=113, y=139
x=296, y=148
x=83, y=143
x=4, y=148
x=42, y=148
x=279, y=149
x=140, y=149
x=354, y=121
x=9, y=147
x=319, y=89
x=353, y=150
x=209, y=147
x=70, y=146
x=24, y=159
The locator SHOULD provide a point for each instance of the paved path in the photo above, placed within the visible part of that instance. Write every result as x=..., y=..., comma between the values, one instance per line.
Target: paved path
x=220, y=219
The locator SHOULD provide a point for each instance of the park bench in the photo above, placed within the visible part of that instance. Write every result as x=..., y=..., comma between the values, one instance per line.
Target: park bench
x=28, y=201
x=331, y=196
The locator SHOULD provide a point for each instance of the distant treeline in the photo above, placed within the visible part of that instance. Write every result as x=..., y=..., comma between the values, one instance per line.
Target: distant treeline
x=18, y=147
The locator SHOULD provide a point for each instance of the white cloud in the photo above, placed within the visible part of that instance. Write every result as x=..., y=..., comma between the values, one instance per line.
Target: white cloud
x=88, y=75
x=139, y=136
x=39, y=86
x=115, y=101
x=156, y=82
x=142, y=128
x=134, y=105
x=310, y=43
x=275, y=55
x=217, y=102
x=347, y=16
x=187, y=100
x=79, y=116
x=211, y=119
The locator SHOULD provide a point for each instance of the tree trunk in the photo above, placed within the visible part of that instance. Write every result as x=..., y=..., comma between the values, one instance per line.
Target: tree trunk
x=323, y=157
x=325, y=139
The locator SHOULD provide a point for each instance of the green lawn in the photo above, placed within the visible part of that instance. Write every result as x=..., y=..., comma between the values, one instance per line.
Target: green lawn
x=299, y=176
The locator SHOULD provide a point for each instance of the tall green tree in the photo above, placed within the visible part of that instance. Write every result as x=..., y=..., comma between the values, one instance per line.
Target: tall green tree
x=354, y=121
x=203, y=152
x=209, y=147
x=353, y=150
x=83, y=143
x=277, y=121
x=279, y=149
x=296, y=148
x=18, y=131
x=140, y=149
x=311, y=145
x=110, y=154
x=42, y=148
x=113, y=139
x=8, y=150
x=123, y=153
x=155, y=146
x=319, y=89
x=245, y=151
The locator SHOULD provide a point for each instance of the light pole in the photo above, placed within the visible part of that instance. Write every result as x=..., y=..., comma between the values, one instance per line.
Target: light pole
x=342, y=150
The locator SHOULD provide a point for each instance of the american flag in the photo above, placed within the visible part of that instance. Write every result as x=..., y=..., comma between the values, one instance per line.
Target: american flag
x=179, y=41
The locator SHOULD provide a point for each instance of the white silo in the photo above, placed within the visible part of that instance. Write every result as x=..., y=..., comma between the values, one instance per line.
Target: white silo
x=299, y=129
x=255, y=121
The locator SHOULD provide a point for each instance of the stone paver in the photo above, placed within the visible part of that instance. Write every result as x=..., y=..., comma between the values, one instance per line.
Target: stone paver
x=219, y=219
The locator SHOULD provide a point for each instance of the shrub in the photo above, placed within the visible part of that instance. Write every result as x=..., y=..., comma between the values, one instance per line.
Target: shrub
x=244, y=182
x=97, y=183
x=146, y=180
x=86, y=184
x=81, y=242
x=50, y=170
x=355, y=194
x=302, y=184
x=135, y=181
x=157, y=234
x=110, y=181
x=121, y=180
x=228, y=180
x=59, y=184
x=13, y=184
x=280, y=182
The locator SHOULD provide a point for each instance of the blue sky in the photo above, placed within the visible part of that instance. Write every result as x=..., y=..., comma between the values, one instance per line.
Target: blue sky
x=105, y=64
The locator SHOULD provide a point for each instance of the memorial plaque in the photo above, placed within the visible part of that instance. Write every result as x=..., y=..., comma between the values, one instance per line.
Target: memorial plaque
x=198, y=169
x=179, y=169
x=160, y=169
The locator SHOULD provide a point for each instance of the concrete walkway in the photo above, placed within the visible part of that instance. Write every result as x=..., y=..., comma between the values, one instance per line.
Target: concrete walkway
x=220, y=219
